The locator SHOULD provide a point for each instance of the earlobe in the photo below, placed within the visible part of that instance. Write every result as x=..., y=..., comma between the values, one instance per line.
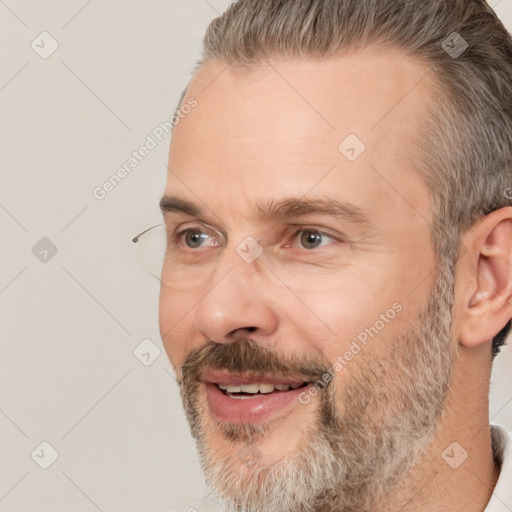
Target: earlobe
x=486, y=294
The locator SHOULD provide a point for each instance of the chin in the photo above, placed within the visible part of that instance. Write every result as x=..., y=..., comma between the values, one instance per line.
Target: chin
x=252, y=441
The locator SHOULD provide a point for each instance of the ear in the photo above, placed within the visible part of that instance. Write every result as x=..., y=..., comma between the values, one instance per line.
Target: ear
x=483, y=279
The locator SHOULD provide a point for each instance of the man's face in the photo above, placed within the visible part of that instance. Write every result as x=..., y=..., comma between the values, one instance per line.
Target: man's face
x=294, y=252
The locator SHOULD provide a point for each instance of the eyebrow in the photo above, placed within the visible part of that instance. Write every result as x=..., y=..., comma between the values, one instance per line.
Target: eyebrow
x=172, y=204
x=288, y=209
x=282, y=210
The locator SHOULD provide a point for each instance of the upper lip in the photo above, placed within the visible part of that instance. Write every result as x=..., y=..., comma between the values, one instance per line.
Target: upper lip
x=239, y=379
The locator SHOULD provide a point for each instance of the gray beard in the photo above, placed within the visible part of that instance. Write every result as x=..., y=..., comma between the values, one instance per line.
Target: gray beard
x=393, y=406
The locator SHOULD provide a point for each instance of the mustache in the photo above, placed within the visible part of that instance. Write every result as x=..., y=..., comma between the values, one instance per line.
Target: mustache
x=248, y=356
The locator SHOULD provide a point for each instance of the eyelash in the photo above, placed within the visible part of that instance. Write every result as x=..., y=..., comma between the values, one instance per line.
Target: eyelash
x=178, y=237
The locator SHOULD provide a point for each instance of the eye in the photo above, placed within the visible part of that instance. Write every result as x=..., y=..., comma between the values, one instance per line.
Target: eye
x=312, y=239
x=195, y=238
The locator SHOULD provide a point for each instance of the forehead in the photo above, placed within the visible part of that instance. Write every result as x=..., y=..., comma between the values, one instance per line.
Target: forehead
x=285, y=125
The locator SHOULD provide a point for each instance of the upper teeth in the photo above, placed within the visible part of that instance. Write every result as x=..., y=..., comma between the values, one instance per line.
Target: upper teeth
x=255, y=388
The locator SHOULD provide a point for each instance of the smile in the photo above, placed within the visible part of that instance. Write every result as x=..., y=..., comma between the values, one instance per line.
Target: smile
x=254, y=390
x=244, y=399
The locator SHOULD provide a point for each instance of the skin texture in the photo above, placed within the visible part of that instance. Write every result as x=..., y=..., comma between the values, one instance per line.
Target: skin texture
x=272, y=133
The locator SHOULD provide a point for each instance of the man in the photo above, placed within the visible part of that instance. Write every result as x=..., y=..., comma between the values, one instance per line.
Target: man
x=338, y=273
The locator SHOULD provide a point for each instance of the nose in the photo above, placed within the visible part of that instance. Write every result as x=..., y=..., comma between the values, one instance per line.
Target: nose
x=238, y=302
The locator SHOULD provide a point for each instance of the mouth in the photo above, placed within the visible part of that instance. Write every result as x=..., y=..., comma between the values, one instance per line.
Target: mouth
x=245, y=399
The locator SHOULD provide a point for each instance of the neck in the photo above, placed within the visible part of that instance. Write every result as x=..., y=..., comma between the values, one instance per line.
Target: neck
x=458, y=472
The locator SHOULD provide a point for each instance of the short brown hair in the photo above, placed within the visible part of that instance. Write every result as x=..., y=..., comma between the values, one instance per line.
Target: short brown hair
x=465, y=148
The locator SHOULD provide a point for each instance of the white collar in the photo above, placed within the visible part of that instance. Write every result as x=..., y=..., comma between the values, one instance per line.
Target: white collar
x=501, y=500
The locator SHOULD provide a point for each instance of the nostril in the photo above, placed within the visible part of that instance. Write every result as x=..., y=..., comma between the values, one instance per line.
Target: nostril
x=241, y=333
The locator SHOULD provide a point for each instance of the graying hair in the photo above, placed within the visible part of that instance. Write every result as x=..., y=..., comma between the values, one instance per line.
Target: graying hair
x=465, y=147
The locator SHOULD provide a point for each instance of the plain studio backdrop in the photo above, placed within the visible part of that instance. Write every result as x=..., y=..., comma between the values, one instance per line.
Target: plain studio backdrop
x=90, y=417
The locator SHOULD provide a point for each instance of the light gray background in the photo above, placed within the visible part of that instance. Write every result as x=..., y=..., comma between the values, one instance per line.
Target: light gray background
x=68, y=327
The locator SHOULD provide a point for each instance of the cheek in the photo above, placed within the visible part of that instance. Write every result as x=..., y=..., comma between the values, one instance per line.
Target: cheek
x=341, y=309
x=351, y=315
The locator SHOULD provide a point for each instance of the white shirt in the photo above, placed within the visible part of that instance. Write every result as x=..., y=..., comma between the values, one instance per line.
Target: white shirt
x=501, y=500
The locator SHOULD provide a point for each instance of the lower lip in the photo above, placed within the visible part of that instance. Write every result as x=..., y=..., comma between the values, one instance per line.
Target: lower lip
x=251, y=410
